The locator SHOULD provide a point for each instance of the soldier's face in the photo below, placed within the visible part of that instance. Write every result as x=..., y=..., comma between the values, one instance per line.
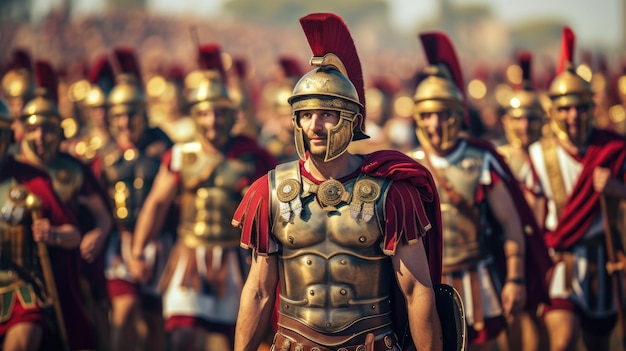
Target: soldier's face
x=215, y=124
x=130, y=125
x=43, y=140
x=574, y=118
x=315, y=125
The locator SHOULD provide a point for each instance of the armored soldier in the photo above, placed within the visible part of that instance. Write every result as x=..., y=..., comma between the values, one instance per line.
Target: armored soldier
x=128, y=168
x=277, y=132
x=90, y=96
x=523, y=122
x=38, y=269
x=344, y=237
x=75, y=185
x=202, y=281
x=575, y=169
x=484, y=247
x=18, y=87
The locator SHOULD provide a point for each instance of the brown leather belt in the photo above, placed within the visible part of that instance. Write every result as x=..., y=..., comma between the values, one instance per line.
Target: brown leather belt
x=284, y=343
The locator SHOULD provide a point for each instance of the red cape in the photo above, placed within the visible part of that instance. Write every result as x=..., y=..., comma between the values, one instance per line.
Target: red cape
x=606, y=149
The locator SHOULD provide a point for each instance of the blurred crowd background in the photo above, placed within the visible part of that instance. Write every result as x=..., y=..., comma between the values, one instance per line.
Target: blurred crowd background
x=252, y=34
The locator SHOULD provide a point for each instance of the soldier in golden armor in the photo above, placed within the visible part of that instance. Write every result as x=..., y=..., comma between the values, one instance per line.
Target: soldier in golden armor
x=38, y=269
x=76, y=186
x=344, y=237
x=202, y=282
x=128, y=168
x=523, y=122
x=575, y=171
x=486, y=255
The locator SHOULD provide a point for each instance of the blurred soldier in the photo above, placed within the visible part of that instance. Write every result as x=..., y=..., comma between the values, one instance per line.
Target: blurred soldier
x=485, y=254
x=90, y=95
x=18, y=87
x=277, y=132
x=345, y=237
x=203, y=279
x=523, y=122
x=574, y=169
x=128, y=169
x=76, y=186
x=39, y=258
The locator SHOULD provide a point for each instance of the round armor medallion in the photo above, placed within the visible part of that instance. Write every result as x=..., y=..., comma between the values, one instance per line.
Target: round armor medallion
x=330, y=192
x=366, y=190
x=288, y=190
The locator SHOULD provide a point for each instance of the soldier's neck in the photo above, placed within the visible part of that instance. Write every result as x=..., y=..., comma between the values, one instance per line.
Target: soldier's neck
x=337, y=168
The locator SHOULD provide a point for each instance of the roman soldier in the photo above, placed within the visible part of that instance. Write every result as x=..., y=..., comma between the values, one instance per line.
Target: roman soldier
x=18, y=87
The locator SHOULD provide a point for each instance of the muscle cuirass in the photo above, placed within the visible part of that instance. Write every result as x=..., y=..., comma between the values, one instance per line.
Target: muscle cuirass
x=334, y=275
x=67, y=177
x=461, y=223
x=212, y=188
x=129, y=175
x=515, y=157
x=18, y=254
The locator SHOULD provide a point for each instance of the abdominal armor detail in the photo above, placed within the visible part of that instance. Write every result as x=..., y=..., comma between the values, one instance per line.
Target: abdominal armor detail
x=335, y=278
x=212, y=189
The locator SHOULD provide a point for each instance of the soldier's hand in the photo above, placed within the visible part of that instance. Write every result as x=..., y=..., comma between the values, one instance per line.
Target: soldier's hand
x=601, y=178
x=138, y=269
x=42, y=231
x=91, y=245
x=513, y=298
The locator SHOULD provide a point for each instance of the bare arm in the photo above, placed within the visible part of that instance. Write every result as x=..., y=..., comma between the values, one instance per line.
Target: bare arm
x=154, y=210
x=257, y=302
x=411, y=270
x=503, y=208
x=92, y=243
x=66, y=236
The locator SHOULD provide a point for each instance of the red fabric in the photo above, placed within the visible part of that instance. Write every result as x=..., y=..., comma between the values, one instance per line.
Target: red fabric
x=119, y=287
x=537, y=261
x=404, y=171
x=606, y=149
x=244, y=146
x=19, y=314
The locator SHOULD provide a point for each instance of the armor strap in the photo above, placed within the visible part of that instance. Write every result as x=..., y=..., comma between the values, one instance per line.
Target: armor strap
x=285, y=182
x=555, y=177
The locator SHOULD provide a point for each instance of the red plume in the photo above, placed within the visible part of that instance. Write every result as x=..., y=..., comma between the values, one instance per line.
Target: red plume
x=567, y=49
x=524, y=58
x=101, y=73
x=210, y=57
x=328, y=33
x=290, y=66
x=127, y=62
x=439, y=49
x=20, y=59
x=46, y=77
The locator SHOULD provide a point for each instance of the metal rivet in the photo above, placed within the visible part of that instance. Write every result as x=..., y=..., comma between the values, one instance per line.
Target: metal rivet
x=343, y=291
x=362, y=239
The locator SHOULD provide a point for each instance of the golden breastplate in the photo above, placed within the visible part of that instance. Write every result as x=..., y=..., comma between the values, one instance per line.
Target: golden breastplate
x=332, y=268
x=213, y=187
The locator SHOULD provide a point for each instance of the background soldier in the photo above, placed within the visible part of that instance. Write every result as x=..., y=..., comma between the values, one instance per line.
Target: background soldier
x=483, y=211
x=574, y=168
x=77, y=187
x=39, y=241
x=316, y=224
x=204, y=275
x=128, y=168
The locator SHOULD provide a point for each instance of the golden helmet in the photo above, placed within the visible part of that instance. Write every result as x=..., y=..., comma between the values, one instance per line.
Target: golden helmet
x=126, y=96
x=568, y=89
x=19, y=81
x=441, y=90
x=336, y=84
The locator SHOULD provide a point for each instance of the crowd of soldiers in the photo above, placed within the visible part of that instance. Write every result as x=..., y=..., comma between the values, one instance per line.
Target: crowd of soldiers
x=129, y=204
